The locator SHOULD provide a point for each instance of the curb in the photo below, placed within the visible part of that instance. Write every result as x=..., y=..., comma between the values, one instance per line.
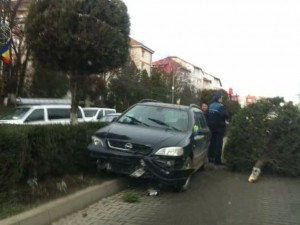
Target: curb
x=49, y=212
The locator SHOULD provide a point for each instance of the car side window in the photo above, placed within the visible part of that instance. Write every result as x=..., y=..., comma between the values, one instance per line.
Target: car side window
x=79, y=114
x=203, y=121
x=56, y=114
x=100, y=114
x=199, y=119
x=36, y=115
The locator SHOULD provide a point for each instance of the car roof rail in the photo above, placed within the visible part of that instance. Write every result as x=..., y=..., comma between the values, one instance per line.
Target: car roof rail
x=148, y=100
x=194, y=106
x=42, y=101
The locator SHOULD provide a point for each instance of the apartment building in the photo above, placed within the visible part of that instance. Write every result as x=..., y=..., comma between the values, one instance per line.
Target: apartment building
x=210, y=81
x=141, y=55
x=170, y=67
x=192, y=75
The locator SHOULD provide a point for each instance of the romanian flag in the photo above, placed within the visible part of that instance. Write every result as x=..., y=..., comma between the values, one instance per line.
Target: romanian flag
x=5, y=52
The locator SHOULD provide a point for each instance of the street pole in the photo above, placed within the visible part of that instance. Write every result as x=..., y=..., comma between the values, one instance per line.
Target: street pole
x=173, y=87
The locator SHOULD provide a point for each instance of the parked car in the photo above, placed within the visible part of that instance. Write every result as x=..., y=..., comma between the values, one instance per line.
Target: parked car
x=94, y=113
x=110, y=117
x=153, y=139
x=40, y=114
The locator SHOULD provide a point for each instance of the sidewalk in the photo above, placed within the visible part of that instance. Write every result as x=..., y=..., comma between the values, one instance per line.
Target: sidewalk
x=45, y=214
x=216, y=196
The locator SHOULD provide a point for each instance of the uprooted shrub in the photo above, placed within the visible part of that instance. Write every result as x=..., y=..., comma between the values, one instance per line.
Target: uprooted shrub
x=28, y=152
x=265, y=133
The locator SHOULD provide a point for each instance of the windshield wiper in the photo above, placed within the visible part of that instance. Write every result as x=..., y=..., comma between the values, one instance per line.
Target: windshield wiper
x=163, y=123
x=136, y=121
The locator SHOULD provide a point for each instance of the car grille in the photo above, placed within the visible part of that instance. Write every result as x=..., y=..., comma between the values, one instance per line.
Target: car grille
x=129, y=147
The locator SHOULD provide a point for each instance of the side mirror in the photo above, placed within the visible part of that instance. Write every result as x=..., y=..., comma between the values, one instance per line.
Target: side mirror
x=200, y=133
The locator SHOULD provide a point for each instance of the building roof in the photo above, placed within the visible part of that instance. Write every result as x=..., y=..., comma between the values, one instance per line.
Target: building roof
x=216, y=78
x=186, y=62
x=167, y=65
x=135, y=43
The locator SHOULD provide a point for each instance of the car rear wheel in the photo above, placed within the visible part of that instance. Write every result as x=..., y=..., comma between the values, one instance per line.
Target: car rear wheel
x=183, y=186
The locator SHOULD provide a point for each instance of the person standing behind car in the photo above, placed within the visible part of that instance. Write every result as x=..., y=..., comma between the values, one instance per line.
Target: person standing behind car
x=217, y=116
x=204, y=108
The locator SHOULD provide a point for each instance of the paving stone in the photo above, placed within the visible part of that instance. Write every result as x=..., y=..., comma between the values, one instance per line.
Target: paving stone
x=216, y=196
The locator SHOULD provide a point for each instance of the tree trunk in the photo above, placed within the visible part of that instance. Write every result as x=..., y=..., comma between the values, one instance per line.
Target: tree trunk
x=74, y=100
x=21, y=72
x=257, y=170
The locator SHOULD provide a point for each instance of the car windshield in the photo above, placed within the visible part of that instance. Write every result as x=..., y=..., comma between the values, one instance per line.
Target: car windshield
x=90, y=112
x=157, y=116
x=15, y=114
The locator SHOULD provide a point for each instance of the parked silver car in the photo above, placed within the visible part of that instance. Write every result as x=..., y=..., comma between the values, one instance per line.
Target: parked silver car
x=110, y=117
x=40, y=114
x=94, y=113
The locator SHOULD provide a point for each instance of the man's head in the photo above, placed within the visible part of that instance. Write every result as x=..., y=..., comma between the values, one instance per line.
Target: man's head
x=204, y=106
x=218, y=97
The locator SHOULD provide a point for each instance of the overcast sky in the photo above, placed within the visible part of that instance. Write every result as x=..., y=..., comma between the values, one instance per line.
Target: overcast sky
x=253, y=46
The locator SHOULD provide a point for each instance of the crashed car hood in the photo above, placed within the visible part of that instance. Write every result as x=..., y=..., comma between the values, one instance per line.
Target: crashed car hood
x=150, y=136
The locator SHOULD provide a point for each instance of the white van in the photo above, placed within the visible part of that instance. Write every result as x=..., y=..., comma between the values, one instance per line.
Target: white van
x=40, y=114
x=95, y=114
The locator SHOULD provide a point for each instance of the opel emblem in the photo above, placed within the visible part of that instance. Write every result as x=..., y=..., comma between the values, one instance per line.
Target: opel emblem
x=128, y=145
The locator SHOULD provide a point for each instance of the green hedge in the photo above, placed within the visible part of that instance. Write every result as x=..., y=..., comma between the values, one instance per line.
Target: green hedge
x=268, y=130
x=44, y=151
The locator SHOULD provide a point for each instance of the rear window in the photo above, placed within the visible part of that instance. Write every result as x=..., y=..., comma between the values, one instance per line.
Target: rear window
x=109, y=111
x=90, y=112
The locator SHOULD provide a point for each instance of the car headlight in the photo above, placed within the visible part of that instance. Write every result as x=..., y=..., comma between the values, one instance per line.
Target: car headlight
x=170, y=151
x=97, y=141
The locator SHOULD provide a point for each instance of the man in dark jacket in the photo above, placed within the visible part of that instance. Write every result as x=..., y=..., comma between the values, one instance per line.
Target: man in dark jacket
x=217, y=116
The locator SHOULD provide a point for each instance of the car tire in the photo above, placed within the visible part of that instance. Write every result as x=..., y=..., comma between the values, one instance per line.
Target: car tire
x=183, y=186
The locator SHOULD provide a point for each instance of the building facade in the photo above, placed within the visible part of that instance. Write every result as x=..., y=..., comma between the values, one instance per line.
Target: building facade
x=192, y=75
x=141, y=55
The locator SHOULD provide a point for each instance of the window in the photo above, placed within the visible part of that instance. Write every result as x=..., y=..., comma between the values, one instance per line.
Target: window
x=199, y=119
x=15, y=114
x=108, y=111
x=36, y=115
x=90, y=112
x=56, y=114
x=79, y=114
x=100, y=114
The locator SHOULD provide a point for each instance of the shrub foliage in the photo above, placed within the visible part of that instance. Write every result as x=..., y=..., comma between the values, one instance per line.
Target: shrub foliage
x=28, y=152
x=268, y=130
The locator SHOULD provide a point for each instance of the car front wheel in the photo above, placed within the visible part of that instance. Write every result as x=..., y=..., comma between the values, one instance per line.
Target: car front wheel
x=183, y=185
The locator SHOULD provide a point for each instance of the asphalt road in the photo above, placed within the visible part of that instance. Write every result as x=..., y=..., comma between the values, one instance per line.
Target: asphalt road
x=216, y=197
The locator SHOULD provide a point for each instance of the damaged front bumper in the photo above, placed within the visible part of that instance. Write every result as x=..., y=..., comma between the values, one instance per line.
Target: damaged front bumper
x=136, y=165
x=164, y=173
